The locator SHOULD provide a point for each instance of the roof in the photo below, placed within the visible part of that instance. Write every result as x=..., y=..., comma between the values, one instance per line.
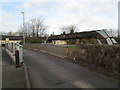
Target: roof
x=12, y=37
x=78, y=35
x=98, y=34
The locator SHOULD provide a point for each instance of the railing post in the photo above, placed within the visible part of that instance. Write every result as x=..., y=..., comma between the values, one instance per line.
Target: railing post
x=17, y=58
x=21, y=53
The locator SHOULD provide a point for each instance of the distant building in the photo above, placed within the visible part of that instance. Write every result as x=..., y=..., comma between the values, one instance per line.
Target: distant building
x=59, y=42
x=91, y=37
x=11, y=39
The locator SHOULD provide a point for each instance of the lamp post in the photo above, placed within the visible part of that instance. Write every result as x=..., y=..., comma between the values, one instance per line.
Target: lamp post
x=23, y=27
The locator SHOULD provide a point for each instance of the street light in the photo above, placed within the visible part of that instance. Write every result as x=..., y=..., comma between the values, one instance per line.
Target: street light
x=23, y=27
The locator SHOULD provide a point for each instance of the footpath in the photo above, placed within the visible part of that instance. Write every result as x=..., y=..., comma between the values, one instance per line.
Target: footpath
x=12, y=77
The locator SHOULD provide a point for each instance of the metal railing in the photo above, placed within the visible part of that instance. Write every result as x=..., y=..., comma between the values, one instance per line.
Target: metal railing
x=16, y=50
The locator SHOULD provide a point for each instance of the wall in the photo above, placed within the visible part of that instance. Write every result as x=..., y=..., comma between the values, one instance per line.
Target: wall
x=11, y=48
x=105, y=56
x=100, y=55
x=55, y=49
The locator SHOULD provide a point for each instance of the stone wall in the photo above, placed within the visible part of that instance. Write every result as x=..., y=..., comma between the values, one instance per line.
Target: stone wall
x=55, y=49
x=105, y=56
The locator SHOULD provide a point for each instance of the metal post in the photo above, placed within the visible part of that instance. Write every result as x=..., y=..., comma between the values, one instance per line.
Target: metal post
x=23, y=27
x=17, y=58
x=118, y=23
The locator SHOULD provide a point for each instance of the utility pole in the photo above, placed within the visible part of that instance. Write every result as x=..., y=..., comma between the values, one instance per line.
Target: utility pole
x=118, y=36
x=23, y=27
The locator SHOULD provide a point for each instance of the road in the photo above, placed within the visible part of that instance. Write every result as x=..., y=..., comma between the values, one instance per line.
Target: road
x=47, y=71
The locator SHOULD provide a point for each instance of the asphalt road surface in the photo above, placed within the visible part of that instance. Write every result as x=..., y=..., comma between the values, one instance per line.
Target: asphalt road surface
x=47, y=71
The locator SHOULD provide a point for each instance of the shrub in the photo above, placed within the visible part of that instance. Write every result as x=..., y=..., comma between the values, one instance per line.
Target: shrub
x=21, y=42
x=106, y=56
x=37, y=41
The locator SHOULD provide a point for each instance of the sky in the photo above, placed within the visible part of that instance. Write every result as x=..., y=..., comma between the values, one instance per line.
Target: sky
x=85, y=14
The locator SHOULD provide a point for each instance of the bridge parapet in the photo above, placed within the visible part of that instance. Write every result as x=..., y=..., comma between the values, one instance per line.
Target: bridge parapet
x=11, y=49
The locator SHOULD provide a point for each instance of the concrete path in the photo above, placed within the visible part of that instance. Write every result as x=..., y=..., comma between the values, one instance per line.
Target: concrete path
x=12, y=77
x=47, y=71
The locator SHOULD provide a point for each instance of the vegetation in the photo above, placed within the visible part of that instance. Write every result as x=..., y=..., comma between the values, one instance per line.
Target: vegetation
x=71, y=42
x=21, y=42
x=106, y=56
x=34, y=28
x=68, y=29
x=37, y=41
x=117, y=39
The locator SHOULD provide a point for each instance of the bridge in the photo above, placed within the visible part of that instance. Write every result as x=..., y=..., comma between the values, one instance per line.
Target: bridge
x=48, y=70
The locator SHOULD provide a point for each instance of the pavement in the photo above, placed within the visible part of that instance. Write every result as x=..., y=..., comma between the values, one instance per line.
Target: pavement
x=48, y=71
x=12, y=77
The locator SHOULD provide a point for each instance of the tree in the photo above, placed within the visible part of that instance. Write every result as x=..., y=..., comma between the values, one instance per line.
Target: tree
x=72, y=31
x=68, y=29
x=9, y=33
x=35, y=28
x=3, y=33
x=38, y=27
x=32, y=27
x=27, y=29
x=64, y=32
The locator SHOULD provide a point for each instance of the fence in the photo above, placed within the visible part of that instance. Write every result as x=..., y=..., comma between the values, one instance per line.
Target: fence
x=12, y=48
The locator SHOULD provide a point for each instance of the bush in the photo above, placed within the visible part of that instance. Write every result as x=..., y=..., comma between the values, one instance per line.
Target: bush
x=21, y=43
x=71, y=42
x=106, y=56
x=37, y=41
x=117, y=39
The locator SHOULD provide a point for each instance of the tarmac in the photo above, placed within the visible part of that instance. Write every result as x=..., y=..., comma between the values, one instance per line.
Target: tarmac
x=12, y=77
x=47, y=71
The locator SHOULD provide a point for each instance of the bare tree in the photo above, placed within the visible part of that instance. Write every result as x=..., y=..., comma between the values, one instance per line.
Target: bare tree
x=20, y=31
x=63, y=30
x=24, y=30
x=35, y=27
x=10, y=33
x=68, y=29
x=27, y=29
x=38, y=27
x=32, y=27
x=3, y=33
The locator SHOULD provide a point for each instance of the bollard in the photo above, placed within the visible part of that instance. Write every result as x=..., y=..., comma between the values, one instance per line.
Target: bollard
x=17, y=58
x=67, y=52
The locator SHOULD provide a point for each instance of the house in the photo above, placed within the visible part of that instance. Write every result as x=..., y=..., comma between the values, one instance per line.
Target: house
x=60, y=42
x=93, y=37
x=11, y=39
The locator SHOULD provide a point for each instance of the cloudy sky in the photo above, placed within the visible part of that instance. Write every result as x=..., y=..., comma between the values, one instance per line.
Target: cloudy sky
x=85, y=14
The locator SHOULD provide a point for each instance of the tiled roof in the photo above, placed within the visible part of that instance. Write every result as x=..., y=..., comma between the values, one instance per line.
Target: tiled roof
x=12, y=37
x=79, y=35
